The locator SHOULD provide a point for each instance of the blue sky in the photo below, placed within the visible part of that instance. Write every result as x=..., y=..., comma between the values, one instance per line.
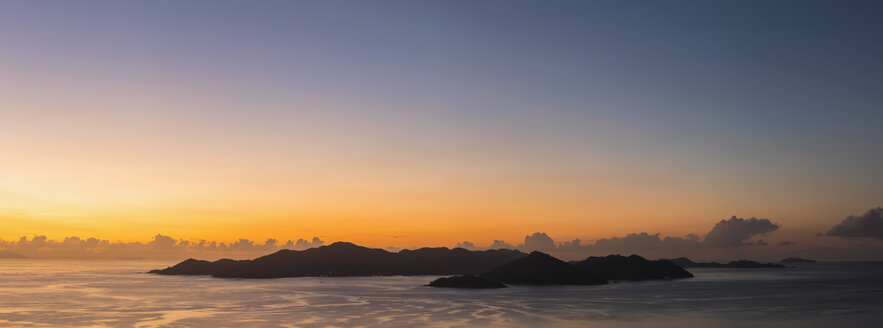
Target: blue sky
x=749, y=108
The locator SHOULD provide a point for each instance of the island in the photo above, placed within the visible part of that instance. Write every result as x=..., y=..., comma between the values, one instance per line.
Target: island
x=8, y=254
x=745, y=264
x=633, y=267
x=469, y=269
x=347, y=259
x=796, y=260
x=542, y=269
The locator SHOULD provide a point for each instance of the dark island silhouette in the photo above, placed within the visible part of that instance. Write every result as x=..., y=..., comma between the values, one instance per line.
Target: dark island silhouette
x=633, y=267
x=467, y=281
x=471, y=269
x=198, y=267
x=745, y=264
x=7, y=254
x=796, y=260
x=542, y=269
x=347, y=259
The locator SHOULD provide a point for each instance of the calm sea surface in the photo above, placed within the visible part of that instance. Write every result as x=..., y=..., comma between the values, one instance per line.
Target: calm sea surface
x=57, y=293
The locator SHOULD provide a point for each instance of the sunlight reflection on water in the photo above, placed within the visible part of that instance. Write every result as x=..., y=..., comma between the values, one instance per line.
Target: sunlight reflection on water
x=120, y=294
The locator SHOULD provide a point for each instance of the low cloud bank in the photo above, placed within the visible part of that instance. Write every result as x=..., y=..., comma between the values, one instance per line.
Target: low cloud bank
x=161, y=247
x=730, y=233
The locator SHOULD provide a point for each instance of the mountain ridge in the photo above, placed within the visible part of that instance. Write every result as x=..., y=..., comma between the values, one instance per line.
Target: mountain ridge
x=348, y=259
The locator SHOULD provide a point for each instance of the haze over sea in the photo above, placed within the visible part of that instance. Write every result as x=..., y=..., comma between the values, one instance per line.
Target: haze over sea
x=89, y=293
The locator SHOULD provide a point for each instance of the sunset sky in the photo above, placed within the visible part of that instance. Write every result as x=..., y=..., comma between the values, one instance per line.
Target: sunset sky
x=428, y=123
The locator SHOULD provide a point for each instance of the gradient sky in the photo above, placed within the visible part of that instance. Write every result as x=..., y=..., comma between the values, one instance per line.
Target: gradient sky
x=401, y=123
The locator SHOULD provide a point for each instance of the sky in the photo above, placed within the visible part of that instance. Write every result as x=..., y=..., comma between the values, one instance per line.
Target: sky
x=430, y=123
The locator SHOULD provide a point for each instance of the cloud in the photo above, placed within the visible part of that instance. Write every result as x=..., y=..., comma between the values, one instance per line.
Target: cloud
x=159, y=241
x=631, y=241
x=643, y=240
x=302, y=244
x=787, y=243
x=467, y=245
x=161, y=247
x=499, y=244
x=539, y=241
x=868, y=225
x=726, y=233
x=734, y=232
x=575, y=244
x=688, y=241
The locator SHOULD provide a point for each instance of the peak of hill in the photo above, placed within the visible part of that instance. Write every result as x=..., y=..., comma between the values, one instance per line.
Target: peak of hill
x=634, y=267
x=542, y=269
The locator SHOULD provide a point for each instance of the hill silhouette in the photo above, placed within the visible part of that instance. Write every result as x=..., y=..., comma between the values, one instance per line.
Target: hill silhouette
x=347, y=259
x=542, y=269
x=7, y=254
x=796, y=260
x=474, y=269
x=687, y=263
x=634, y=267
x=197, y=267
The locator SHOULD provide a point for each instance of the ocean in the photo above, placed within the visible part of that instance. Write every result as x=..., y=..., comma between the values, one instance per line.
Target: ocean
x=92, y=293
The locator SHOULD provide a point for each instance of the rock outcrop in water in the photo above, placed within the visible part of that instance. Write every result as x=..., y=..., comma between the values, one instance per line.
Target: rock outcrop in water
x=634, y=267
x=347, y=259
x=687, y=263
x=467, y=281
x=542, y=269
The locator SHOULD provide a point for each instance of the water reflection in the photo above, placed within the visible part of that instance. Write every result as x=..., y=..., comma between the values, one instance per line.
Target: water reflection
x=119, y=294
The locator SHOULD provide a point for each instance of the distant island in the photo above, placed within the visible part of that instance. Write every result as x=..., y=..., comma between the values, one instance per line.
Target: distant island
x=796, y=260
x=7, y=254
x=745, y=264
x=542, y=269
x=471, y=269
